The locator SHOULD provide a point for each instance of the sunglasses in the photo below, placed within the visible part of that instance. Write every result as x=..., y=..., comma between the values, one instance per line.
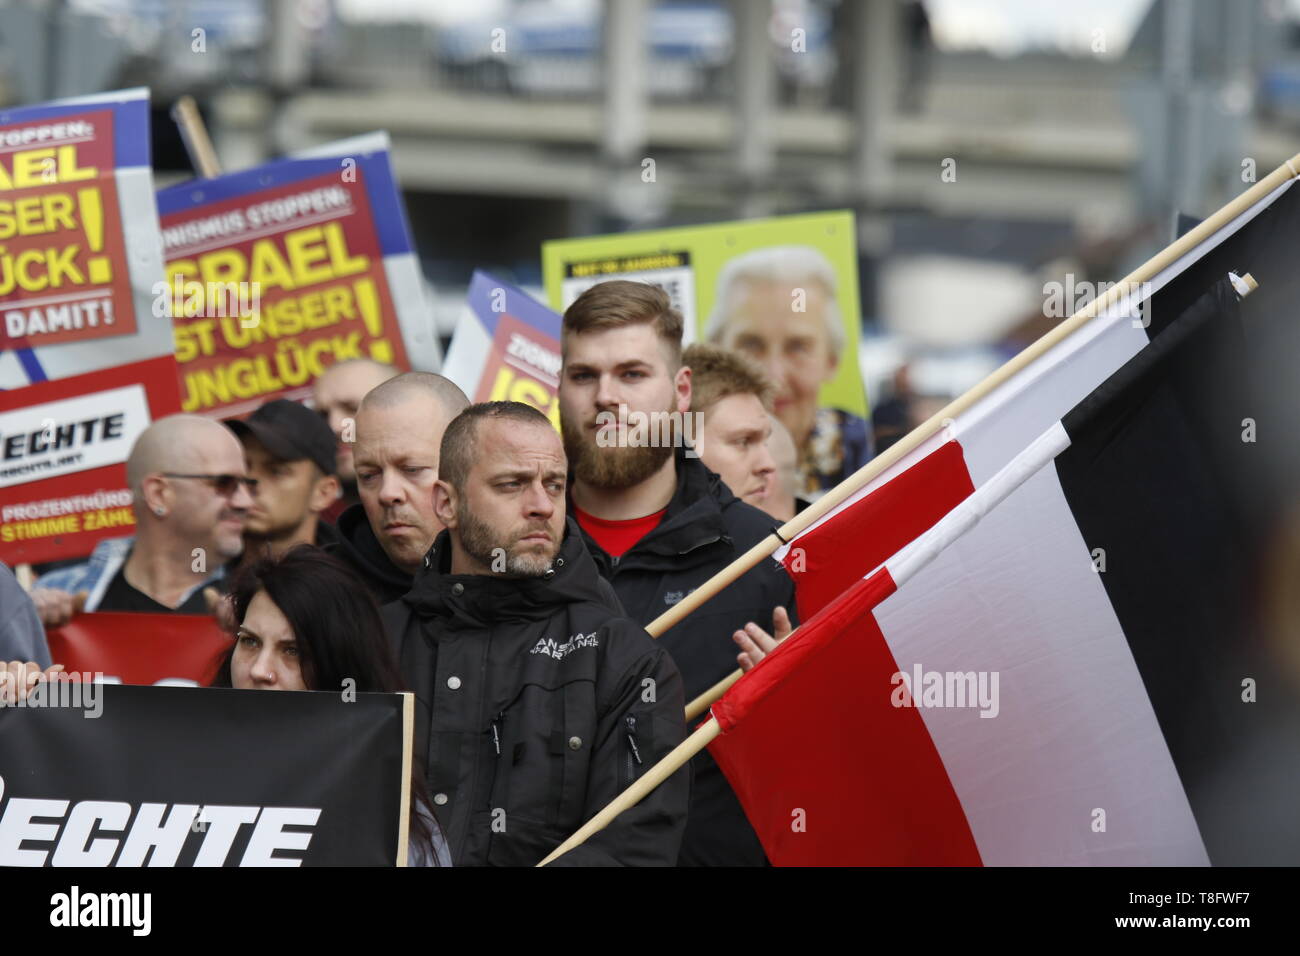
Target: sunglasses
x=225, y=485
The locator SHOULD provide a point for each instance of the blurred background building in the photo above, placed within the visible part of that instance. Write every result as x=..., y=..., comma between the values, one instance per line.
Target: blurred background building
x=988, y=147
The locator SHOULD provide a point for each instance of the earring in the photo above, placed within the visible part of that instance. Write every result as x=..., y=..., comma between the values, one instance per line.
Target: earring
x=160, y=511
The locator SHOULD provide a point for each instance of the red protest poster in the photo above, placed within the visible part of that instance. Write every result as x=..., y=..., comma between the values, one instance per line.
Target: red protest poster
x=63, y=267
x=63, y=451
x=140, y=648
x=506, y=347
x=272, y=286
x=523, y=366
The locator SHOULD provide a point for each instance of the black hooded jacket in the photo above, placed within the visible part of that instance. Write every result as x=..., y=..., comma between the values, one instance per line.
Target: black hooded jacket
x=355, y=543
x=537, y=703
x=704, y=529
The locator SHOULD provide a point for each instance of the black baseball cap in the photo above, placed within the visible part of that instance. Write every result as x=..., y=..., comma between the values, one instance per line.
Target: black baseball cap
x=291, y=432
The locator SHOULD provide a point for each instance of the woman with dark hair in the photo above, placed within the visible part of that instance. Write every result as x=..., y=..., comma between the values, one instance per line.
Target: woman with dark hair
x=301, y=622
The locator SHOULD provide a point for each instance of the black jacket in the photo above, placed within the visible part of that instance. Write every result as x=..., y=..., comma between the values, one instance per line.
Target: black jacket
x=537, y=703
x=355, y=543
x=327, y=537
x=704, y=529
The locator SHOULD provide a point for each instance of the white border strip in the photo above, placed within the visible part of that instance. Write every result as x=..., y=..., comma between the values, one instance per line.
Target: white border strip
x=968, y=513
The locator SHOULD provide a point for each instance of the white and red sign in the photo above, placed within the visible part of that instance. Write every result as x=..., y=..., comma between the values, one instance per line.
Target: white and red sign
x=80, y=249
x=63, y=451
x=506, y=347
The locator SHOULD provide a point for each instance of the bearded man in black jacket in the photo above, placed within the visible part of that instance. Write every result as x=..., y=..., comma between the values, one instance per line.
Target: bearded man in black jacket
x=658, y=523
x=537, y=701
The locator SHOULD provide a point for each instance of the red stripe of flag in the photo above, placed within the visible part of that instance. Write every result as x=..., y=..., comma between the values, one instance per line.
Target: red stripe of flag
x=829, y=771
x=826, y=560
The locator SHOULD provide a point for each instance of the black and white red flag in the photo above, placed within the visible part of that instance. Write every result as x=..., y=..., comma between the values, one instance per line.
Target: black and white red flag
x=909, y=497
x=1068, y=663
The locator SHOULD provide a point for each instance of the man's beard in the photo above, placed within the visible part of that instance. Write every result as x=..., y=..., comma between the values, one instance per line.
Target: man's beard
x=612, y=468
x=484, y=544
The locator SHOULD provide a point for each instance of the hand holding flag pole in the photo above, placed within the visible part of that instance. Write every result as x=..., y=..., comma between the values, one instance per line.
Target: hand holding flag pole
x=781, y=630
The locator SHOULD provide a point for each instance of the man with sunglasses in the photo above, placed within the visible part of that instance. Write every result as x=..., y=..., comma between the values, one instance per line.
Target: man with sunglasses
x=191, y=499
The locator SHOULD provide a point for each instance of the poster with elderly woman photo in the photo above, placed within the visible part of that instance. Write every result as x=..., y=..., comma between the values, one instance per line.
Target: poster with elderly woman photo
x=782, y=291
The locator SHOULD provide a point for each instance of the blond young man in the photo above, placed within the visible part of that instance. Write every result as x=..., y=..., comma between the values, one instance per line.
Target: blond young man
x=657, y=522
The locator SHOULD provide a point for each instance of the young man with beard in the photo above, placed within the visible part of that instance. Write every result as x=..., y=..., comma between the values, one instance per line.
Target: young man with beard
x=399, y=429
x=658, y=523
x=289, y=450
x=537, y=702
x=337, y=396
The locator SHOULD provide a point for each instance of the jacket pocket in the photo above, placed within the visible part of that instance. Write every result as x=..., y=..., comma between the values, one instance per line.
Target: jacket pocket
x=512, y=839
x=541, y=744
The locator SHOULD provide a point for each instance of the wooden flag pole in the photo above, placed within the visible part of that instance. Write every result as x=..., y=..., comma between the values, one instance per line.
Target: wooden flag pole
x=640, y=789
x=404, y=806
x=195, y=136
x=904, y=446
x=702, y=703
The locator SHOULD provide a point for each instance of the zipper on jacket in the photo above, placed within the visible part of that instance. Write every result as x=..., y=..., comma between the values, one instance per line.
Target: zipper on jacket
x=496, y=730
x=633, y=753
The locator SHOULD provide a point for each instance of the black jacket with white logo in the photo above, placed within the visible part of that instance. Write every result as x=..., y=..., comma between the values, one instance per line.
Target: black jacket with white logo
x=537, y=703
x=704, y=529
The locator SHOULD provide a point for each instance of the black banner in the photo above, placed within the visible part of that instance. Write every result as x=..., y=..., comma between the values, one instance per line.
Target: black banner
x=179, y=776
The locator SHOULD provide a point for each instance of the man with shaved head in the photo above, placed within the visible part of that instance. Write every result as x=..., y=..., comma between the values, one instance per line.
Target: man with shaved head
x=190, y=498
x=337, y=396
x=519, y=658
x=399, y=428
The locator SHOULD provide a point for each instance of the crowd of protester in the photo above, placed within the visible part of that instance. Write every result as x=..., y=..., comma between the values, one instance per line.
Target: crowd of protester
x=400, y=536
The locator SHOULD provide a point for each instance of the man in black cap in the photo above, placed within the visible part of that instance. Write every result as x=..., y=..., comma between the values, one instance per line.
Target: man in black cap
x=289, y=449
